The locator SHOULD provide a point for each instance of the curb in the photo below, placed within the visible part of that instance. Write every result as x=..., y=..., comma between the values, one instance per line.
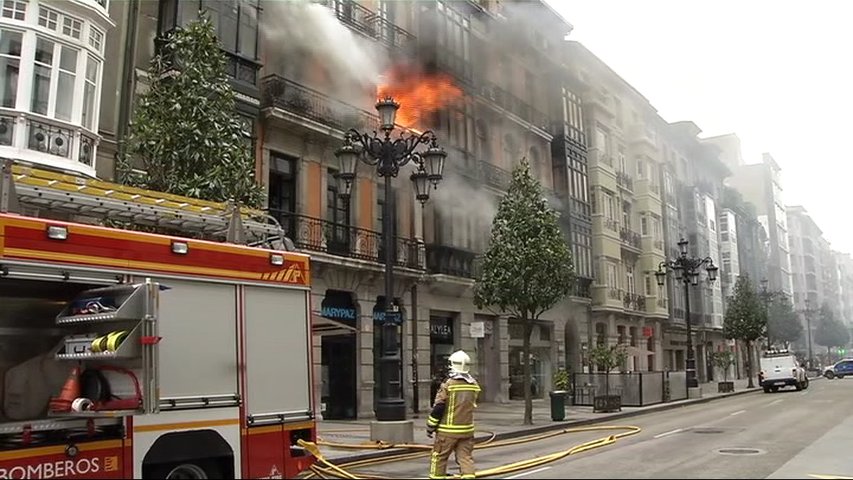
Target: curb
x=539, y=429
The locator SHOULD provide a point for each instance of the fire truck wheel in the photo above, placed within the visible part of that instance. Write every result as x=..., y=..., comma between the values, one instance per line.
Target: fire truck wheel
x=202, y=469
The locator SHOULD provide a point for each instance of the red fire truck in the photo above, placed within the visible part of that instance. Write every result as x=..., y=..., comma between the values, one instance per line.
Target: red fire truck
x=126, y=354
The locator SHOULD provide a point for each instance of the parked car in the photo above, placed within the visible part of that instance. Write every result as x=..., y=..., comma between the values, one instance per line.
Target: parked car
x=840, y=369
x=780, y=368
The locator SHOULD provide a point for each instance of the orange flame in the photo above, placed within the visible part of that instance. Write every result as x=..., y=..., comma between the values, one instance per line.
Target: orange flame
x=419, y=94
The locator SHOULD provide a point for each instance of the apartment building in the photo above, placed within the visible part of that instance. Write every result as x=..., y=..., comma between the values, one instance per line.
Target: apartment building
x=627, y=230
x=761, y=185
x=54, y=57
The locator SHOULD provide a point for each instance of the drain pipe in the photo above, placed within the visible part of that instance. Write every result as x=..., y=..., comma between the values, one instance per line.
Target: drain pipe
x=126, y=87
x=415, y=383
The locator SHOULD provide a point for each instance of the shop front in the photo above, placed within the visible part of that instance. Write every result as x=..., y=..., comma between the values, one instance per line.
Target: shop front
x=541, y=364
x=441, y=336
x=337, y=328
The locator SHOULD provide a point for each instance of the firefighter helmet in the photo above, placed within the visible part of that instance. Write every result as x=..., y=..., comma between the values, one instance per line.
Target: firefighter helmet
x=459, y=362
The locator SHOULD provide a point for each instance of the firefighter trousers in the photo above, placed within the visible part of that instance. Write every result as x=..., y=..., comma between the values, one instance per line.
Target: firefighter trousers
x=441, y=450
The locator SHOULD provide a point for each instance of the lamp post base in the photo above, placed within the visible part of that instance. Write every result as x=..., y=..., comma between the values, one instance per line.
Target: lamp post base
x=397, y=432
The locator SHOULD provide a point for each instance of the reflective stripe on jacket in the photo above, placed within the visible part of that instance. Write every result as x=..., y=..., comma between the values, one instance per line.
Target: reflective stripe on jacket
x=453, y=411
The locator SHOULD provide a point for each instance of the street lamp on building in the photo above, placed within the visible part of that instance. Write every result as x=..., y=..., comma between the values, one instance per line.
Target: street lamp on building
x=686, y=269
x=388, y=155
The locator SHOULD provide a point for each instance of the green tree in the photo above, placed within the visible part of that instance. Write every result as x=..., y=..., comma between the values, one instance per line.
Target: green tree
x=723, y=360
x=746, y=318
x=782, y=323
x=607, y=358
x=830, y=331
x=527, y=268
x=185, y=134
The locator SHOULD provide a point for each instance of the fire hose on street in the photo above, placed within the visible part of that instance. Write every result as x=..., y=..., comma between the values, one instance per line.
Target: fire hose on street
x=323, y=468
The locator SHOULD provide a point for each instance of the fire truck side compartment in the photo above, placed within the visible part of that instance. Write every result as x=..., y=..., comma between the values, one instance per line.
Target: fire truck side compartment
x=198, y=353
x=277, y=342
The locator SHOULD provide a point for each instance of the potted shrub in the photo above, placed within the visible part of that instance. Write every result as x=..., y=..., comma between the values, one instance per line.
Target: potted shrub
x=607, y=358
x=723, y=360
x=558, y=396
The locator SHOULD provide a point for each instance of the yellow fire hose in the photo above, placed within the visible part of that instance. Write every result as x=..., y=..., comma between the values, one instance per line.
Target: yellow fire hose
x=330, y=470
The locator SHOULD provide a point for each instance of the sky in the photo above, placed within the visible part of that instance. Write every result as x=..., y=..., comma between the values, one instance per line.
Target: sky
x=777, y=73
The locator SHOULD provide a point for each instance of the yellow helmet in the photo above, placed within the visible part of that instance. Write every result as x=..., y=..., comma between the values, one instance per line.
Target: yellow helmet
x=459, y=362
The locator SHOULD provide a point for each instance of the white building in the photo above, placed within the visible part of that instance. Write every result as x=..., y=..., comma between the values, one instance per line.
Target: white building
x=51, y=58
x=729, y=261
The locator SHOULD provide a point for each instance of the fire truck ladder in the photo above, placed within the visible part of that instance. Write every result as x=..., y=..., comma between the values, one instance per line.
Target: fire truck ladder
x=28, y=187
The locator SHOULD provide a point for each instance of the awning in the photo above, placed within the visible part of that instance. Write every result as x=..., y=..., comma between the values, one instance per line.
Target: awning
x=326, y=326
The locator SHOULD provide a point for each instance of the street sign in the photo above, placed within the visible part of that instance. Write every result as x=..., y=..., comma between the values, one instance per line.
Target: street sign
x=395, y=318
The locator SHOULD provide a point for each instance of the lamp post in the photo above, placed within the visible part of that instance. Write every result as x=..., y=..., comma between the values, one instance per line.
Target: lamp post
x=388, y=155
x=807, y=314
x=766, y=298
x=686, y=269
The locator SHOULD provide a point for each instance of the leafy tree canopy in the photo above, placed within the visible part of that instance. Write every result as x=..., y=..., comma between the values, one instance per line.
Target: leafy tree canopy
x=746, y=318
x=185, y=134
x=528, y=266
x=830, y=331
x=783, y=323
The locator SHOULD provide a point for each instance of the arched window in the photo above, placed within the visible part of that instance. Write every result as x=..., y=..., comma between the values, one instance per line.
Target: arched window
x=535, y=161
x=510, y=151
x=484, y=150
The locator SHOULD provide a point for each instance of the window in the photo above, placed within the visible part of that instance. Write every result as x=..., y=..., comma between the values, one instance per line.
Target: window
x=612, y=278
x=608, y=200
x=380, y=212
x=71, y=27
x=630, y=284
x=53, y=79
x=282, y=196
x=337, y=210
x=644, y=225
x=89, y=92
x=10, y=60
x=96, y=38
x=640, y=169
x=14, y=9
x=48, y=18
x=601, y=142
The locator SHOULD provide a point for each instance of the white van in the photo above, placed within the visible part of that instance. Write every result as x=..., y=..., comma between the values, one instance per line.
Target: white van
x=779, y=368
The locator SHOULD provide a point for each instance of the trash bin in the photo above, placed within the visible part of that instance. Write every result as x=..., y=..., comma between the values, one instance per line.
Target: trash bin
x=558, y=406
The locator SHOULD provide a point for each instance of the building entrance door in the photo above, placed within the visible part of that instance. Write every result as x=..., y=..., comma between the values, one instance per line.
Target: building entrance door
x=338, y=354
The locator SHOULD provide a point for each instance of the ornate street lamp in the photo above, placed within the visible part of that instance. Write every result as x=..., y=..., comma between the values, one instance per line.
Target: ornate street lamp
x=765, y=295
x=388, y=155
x=686, y=269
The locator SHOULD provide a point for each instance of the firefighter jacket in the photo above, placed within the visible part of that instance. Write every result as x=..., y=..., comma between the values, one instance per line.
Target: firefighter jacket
x=453, y=412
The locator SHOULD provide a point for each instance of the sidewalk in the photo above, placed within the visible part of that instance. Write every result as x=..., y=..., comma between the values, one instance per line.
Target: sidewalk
x=505, y=420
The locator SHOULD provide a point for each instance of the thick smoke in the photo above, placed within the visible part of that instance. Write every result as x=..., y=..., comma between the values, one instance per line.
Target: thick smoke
x=309, y=43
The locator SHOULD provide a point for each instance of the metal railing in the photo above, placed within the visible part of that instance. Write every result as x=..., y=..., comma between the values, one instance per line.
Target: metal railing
x=448, y=260
x=625, y=181
x=634, y=301
x=283, y=93
x=370, y=23
x=630, y=237
x=636, y=389
x=494, y=176
x=614, y=293
x=319, y=235
x=511, y=103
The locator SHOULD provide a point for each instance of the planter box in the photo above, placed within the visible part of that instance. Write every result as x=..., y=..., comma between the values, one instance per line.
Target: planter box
x=725, y=387
x=607, y=403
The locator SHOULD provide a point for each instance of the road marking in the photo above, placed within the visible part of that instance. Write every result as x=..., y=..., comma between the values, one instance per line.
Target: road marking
x=818, y=475
x=774, y=402
x=524, y=474
x=804, y=393
x=668, y=433
x=736, y=413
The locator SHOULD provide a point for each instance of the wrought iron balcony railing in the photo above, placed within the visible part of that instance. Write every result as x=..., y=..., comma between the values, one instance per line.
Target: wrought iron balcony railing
x=583, y=287
x=634, y=301
x=283, y=93
x=494, y=176
x=370, y=23
x=511, y=103
x=450, y=260
x=630, y=238
x=318, y=235
x=625, y=181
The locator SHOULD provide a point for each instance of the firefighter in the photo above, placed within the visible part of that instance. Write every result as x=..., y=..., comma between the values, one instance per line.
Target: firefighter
x=452, y=416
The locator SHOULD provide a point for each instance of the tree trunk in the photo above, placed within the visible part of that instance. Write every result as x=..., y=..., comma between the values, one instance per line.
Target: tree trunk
x=749, y=364
x=528, y=396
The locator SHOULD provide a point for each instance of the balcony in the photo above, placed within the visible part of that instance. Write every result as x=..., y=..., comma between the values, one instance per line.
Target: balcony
x=624, y=181
x=630, y=239
x=447, y=260
x=505, y=100
x=634, y=302
x=639, y=134
x=48, y=142
x=494, y=176
x=308, y=104
x=370, y=23
x=317, y=235
x=582, y=287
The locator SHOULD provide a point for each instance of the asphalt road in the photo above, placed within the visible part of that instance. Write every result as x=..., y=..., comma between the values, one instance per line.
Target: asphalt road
x=788, y=434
